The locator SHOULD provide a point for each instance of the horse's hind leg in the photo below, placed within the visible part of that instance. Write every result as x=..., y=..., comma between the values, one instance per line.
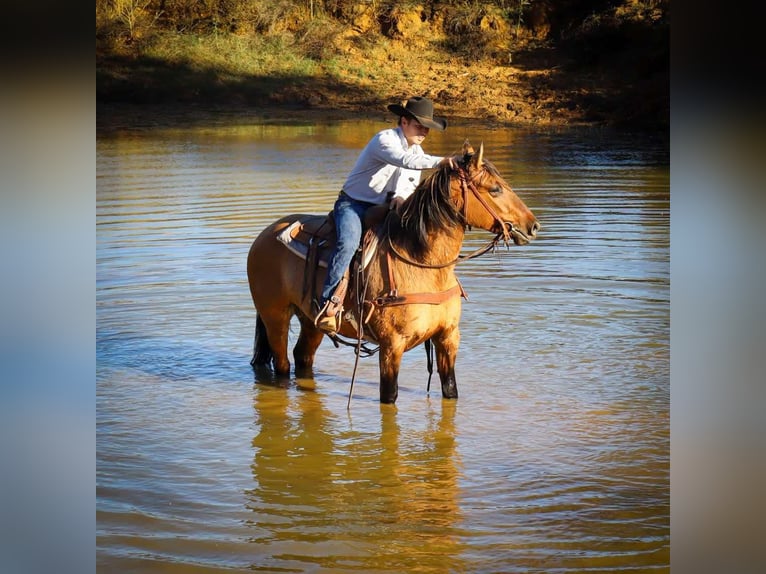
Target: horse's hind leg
x=277, y=326
x=262, y=355
x=306, y=347
x=446, y=354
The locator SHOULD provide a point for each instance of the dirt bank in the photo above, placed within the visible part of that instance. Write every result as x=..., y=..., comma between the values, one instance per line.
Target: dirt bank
x=615, y=74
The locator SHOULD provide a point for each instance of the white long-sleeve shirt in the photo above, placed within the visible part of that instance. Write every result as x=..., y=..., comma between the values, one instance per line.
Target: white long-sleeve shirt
x=387, y=164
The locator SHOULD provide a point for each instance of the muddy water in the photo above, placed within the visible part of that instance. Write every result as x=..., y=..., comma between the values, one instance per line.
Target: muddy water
x=555, y=457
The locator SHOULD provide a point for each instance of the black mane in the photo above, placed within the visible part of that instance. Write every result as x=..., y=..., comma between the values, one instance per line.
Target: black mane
x=427, y=209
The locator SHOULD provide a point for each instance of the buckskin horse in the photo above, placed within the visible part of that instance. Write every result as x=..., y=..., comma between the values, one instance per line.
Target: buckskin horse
x=409, y=293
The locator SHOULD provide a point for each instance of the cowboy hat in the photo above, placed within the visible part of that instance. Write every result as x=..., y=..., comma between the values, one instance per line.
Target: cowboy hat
x=422, y=109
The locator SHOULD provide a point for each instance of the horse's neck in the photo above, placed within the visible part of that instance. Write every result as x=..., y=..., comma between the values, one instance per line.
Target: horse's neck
x=435, y=270
x=444, y=246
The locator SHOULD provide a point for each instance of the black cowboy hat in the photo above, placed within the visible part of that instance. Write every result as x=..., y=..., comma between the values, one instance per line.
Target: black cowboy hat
x=422, y=109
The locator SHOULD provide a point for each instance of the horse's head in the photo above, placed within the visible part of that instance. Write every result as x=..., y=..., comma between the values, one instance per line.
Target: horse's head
x=488, y=202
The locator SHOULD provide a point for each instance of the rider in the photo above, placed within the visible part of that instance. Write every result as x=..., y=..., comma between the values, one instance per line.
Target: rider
x=388, y=169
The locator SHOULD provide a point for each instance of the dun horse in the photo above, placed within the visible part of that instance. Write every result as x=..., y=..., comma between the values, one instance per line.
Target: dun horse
x=409, y=294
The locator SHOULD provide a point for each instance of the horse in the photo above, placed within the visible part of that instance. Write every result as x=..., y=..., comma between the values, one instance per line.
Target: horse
x=410, y=294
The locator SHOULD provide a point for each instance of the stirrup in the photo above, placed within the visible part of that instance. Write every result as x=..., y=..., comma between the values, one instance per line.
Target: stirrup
x=327, y=324
x=327, y=318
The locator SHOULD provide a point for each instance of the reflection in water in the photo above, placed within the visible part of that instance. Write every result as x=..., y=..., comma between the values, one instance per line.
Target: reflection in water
x=332, y=495
x=554, y=459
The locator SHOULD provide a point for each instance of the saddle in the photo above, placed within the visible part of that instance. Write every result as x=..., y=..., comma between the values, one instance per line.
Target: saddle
x=310, y=233
x=318, y=231
x=313, y=237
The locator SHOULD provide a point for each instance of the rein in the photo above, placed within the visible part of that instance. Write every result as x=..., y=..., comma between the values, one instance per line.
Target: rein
x=460, y=258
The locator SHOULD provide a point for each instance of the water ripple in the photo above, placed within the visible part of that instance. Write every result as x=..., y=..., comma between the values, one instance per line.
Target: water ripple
x=555, y=458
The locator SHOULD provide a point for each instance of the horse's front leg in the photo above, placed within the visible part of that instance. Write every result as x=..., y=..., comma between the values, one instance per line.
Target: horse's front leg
x=390, y=359
x=446, y=354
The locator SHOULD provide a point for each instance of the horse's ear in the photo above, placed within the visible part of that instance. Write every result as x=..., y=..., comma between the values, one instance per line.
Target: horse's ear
x=481, y=156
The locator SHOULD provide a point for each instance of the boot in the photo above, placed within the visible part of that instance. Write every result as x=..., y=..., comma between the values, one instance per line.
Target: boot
x=327, y=318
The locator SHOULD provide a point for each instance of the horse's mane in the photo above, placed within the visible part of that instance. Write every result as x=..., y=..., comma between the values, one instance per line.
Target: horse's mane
x=427, y=209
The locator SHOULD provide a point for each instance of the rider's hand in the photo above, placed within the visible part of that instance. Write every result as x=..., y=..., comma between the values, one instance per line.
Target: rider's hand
x=453, y=161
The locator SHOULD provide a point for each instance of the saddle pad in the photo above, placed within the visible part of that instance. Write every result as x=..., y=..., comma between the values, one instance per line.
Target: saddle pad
x=300, y=248
x=289, y=238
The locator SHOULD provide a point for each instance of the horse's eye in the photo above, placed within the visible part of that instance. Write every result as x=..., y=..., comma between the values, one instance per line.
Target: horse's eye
x=495, y=190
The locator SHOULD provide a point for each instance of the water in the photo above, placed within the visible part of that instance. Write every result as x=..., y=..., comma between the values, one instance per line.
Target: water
x=555, y=458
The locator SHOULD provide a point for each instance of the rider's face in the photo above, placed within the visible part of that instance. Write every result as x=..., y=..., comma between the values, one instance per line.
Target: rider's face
x=414, y=131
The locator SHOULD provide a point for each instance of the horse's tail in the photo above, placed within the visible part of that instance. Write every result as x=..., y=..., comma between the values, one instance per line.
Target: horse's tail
x=262, y=354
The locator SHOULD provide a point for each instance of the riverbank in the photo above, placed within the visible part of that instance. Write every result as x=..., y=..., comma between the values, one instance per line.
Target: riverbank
x=619, y=78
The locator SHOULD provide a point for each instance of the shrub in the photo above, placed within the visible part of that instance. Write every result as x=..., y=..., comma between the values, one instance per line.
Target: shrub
x=476, y=31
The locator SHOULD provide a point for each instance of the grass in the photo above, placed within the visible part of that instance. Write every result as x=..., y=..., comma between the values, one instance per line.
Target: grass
x=234, y=55
x=213, y=68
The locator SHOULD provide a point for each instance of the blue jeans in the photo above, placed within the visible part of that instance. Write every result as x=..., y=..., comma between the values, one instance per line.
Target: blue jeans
x=349, y=215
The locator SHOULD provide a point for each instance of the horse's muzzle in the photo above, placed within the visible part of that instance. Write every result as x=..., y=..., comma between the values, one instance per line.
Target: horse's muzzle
x=520, y=237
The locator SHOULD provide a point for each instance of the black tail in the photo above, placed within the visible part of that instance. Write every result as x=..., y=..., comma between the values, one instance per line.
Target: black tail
x=262, y=354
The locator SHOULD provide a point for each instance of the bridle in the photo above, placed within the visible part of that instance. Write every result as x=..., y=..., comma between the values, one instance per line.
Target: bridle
x=467, y=185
